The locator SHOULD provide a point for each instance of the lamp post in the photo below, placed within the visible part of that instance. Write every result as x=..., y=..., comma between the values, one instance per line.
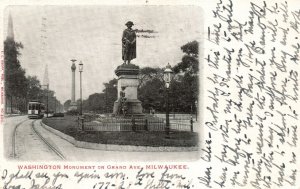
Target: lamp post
x=168, y=73
x=81, y=117
x=54, y=104
x=80, y=71
x=196, y=104
x=106, y=108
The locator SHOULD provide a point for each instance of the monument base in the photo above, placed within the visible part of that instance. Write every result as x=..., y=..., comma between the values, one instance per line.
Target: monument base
x=73, y=106
x=134, y=107
x=128, y=83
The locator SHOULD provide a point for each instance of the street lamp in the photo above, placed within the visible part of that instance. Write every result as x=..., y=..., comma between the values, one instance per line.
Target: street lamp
x=196, y=104
x=168, y=73
x=54, y=104
x=80, y=71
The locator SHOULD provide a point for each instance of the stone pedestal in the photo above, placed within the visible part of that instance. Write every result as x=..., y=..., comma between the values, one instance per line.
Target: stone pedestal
x=73, y=106
x=128, y=78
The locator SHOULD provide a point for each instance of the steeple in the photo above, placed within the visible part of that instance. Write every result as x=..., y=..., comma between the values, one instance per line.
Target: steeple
x=10, y=29
x=46, y=78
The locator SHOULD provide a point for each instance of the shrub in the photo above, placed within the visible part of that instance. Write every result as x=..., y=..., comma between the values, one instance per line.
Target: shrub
x=72, y=112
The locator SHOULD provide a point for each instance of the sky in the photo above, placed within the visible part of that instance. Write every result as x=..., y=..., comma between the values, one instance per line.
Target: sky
x=53, y=35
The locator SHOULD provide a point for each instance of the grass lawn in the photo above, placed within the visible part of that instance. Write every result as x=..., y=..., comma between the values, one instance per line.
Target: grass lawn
x=68, y=125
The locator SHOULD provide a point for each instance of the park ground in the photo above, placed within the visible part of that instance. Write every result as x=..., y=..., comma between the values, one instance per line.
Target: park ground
x=29, y=147
x=69, y=126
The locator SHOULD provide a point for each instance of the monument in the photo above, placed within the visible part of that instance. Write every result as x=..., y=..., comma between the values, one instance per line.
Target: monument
x=73, y=105
x=128, y=103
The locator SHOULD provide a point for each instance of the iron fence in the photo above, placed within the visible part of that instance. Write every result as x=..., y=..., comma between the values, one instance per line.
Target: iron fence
x=148, y=123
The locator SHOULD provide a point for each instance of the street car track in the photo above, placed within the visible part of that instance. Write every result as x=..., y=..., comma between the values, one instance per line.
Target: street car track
x=14, y=138
x=57, y=152
x=14, y=154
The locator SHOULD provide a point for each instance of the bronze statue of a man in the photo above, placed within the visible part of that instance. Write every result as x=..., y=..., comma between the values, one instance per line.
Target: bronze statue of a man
x=128, y=43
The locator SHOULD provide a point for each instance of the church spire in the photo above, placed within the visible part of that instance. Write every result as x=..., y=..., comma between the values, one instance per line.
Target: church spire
x=10, y=29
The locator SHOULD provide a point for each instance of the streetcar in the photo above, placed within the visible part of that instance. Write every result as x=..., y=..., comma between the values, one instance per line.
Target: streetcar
x=36, y=109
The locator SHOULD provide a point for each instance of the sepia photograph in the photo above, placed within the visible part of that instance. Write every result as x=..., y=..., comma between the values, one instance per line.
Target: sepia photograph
x=173, y=94
x=102, y=83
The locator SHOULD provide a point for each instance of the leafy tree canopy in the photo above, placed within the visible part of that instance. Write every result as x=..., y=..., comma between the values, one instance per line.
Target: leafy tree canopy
x=191, y=48
x=15, y=79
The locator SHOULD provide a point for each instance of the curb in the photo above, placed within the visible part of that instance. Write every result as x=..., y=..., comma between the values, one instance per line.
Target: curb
x=13, y=115
x=112, y=147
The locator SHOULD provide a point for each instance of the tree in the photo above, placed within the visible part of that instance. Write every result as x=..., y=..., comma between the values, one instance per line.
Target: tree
x=186, y=88
x=151, y=95
x=111, y=94
x=102, y=102
x=95, y=103
x=183, y=89
x=67, y=105
x=189, y=63
x=191, y=48
x=148, y=73
x=15, y=80
x=34, y=91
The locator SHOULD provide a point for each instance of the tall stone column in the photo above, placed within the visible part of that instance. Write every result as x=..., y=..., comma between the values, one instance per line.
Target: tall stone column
x=73, y=104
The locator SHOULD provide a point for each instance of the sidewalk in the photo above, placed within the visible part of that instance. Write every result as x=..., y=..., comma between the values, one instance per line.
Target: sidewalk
x=13, y=115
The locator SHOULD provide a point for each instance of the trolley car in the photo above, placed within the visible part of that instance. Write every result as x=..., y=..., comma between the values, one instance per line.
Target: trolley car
x=36, y=109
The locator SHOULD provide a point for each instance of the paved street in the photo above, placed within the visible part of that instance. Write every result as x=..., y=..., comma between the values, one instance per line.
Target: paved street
x=29, y=146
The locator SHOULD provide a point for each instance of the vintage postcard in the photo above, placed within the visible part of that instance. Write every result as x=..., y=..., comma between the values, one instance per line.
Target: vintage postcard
x=149, y=94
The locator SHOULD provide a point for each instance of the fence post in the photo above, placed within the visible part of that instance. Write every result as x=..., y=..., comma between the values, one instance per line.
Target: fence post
x=82, y=119
x=133, y=124
x=146, y=124
x=192, y=129
x=79, y=124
